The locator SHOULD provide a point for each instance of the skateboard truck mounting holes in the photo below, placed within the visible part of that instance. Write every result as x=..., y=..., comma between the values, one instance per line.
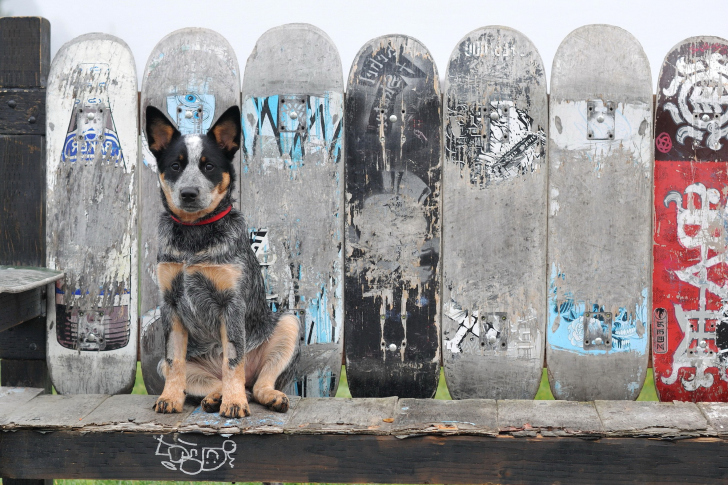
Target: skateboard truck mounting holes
x=597, y=330
x=494, y=331
x=600, y=119
x=292, y=113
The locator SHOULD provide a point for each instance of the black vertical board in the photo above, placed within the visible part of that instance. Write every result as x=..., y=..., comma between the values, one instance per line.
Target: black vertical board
x=26, y=341
x=22, y=200
x=393, y=227
x=25, y=373
x=25, y=59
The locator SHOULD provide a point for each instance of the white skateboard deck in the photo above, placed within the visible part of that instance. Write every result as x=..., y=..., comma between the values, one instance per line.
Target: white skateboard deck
x=91, y=128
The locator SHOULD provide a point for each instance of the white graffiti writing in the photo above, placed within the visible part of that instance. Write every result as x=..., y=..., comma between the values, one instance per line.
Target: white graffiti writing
x=699, y=226
x=701, y=86
x=191, y=459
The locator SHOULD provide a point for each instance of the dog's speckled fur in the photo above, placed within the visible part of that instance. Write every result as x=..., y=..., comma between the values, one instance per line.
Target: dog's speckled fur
x=220, y=334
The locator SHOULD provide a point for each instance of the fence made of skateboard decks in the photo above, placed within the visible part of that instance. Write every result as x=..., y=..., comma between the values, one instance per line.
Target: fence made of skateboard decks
x=95, y=436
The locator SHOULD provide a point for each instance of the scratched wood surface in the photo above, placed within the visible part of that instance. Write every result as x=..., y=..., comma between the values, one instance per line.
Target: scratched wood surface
x=393, y=170
x=291, y=190
x=342, y=416
x=600, y=216
x=381, y=440
x=494, y=216
x=690, y=315
x=193, y=76
x=428, y=416
x=261, y=421
x=12, y=398
x=16, y=279
x=91, y=128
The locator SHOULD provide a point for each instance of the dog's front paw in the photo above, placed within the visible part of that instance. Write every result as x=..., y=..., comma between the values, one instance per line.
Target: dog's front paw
x=234, y=409
x=211, y=403
x=275, y=400
x=166, y=405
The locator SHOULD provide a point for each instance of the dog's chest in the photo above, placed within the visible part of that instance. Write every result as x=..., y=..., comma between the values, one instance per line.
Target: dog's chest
x=199, y=289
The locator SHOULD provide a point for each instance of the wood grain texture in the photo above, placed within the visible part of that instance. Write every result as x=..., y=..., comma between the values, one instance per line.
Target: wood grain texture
x=92, y=216
x=291, y=190
x=25, y=52
x=717, y=416
x=393, y=221
x=22, y=200
x=25, y=373
x=22, y=112
x=134, y=412
x=16, y=308
x=524, y=418
x=189, y=69
x=12, y=398
x=261, y=421
x=48, y=411
x=342, y=416
x=365, y=459
x=25, y=341
x=600, y=216
x=494, y=216
x=17, y=279
x=665, y=420
x=464, y=417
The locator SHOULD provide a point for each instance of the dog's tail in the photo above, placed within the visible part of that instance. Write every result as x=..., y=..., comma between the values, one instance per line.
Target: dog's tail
x=285, y=379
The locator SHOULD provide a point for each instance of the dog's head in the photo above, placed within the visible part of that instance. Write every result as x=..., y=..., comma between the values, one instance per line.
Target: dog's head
x=195, y=171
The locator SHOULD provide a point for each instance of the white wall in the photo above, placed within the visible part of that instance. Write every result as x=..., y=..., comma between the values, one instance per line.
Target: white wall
x=657, y=24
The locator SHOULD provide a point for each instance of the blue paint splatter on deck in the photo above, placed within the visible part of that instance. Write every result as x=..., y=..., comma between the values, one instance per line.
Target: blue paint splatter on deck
x=567, y=315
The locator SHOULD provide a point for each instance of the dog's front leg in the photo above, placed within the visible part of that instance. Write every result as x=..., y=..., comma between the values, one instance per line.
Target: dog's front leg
x=174, y=367
x=234, y=400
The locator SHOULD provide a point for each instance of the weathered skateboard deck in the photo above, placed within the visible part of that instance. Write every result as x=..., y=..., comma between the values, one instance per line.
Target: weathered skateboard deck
x=392, y=316
x=91, y=127
x=600, y=216
x=192, y=75
x=494, y=213
x=690, y=296
x=292, y=194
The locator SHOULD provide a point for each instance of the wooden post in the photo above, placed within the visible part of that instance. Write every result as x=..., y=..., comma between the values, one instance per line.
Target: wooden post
x=25, y=44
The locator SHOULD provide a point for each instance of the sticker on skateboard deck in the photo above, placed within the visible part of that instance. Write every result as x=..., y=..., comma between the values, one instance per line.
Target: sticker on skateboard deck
x=496, y=114
x=292, y=190
x=192, y=75
x=690, y=297
x=393, y=220
x=91, y=221
x=599, y=227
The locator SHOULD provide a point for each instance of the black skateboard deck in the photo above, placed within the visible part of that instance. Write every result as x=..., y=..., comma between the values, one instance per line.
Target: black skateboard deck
x=393, y=170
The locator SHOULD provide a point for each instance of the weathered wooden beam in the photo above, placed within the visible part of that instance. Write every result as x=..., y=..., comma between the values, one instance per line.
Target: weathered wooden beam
x=22, y=200
x=16, y=308
x=25, y=373
x=25, y=341
x=22, y=112
x=360, y=458
x=25, y=57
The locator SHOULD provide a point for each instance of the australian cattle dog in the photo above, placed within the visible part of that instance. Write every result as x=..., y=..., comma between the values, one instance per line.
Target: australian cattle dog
x=220, y=335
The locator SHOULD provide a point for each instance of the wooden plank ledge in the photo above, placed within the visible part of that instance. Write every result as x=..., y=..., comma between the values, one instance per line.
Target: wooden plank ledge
x=386, y=440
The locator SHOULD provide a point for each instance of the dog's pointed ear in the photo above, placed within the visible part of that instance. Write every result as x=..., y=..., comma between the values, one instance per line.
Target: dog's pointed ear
x=226, y=132
x=160, y=131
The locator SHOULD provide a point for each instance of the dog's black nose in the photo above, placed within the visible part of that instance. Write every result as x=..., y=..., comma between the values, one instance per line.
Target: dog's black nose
x=189, y=194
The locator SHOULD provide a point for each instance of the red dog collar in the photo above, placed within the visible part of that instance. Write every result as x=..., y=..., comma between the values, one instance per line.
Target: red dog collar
x=204, y=221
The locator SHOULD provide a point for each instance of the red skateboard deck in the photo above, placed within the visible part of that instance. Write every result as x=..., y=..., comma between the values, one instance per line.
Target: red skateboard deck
x=690, y=277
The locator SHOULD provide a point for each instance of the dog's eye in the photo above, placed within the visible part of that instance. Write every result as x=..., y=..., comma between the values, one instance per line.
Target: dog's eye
x=209, y=167
x=175, y=167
